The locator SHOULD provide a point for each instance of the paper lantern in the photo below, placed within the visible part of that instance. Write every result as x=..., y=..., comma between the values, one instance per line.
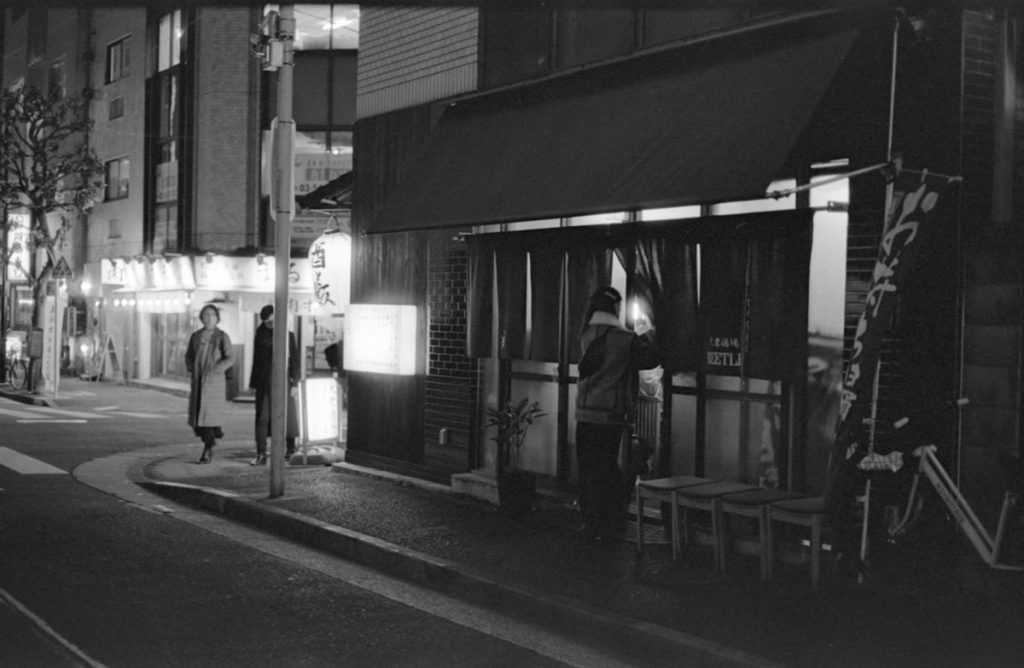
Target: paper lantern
x=330, y=258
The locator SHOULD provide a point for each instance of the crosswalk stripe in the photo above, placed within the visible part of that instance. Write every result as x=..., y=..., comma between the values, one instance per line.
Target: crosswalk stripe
x=66, y=413
x=26, y=465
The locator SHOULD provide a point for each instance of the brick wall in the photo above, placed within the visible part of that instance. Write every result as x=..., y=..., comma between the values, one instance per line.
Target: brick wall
x=223, y=213
x=451, y=383
x=408, y=56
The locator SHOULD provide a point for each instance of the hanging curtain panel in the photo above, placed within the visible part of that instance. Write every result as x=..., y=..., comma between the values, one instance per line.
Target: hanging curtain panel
x=590, y=267
x=479, y=297
x=723, y=283
x=779, y=283
x=666, y=277
x=546, y=264
x=511, y=263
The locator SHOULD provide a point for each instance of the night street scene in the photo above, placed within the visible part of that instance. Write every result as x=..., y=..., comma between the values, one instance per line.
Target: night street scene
x=517, y=333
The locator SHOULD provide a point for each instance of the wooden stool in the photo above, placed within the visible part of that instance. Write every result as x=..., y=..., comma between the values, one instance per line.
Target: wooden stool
x=754, y=504
x=807, y=512
x=701, y=497
x=658, y=489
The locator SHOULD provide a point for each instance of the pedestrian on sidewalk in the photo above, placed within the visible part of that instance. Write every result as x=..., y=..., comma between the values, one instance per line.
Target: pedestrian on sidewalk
x=606, y=396
x=260, y=381
x=208, y=359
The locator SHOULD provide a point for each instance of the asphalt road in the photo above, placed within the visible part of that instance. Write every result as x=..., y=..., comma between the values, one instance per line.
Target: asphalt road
x=88, y=579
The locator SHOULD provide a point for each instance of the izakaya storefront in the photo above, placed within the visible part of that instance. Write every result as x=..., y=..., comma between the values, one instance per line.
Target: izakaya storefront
x=676, y=150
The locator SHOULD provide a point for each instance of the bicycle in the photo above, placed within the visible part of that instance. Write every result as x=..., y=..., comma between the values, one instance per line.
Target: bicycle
x=17, y=370
x=988, y=546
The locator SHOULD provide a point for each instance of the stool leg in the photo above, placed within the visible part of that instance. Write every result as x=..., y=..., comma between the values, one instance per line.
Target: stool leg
x=717, y=531
x=768, y=547
x=639, y=521
x=815, y=552
x=675, y=528
x=762, y=536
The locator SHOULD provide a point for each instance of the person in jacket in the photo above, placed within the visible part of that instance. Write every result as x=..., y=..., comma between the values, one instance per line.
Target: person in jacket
x=208, y=357
x=611, y=356
x=259, y=380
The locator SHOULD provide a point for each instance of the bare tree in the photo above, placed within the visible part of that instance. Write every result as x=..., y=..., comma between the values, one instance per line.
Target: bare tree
x=48, y=171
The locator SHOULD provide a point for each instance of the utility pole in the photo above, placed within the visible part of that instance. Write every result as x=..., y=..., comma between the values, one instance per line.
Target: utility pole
x=279, y=55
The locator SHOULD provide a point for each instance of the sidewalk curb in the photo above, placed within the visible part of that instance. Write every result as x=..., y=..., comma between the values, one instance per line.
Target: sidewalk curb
x=572, y=617
x=27, y=398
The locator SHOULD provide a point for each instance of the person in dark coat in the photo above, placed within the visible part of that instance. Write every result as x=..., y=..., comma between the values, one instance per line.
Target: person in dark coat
x=207, y=359
x=259, y=380
x=611, y=356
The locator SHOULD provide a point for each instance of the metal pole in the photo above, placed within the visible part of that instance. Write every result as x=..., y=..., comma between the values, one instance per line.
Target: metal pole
x=282, y=252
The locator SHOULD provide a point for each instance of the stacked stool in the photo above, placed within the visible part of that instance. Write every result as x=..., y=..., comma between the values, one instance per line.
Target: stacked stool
x=808, y=512
x=755, y=504
x=702, y=497
x=660, y=490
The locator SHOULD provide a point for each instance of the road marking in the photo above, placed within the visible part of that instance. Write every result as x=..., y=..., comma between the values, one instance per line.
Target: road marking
x=12, y=602
x=66, y=413
x=11, y=412
x=145, y=416
x=52, y=421
x=106, y=408
x=26, y=465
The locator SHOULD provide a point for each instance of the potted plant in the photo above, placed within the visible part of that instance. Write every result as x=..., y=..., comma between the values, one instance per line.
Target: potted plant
x=516, y=486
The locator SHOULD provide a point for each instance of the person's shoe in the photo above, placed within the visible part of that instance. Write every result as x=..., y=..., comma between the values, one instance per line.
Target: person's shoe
x=206, y=456
x=259, y=461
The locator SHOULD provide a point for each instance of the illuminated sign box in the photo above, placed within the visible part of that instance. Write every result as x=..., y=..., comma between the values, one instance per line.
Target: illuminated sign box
x=320, y=409
x=381, y=338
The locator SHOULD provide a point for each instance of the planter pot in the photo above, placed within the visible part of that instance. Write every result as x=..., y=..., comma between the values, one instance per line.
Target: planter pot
x=516, y=490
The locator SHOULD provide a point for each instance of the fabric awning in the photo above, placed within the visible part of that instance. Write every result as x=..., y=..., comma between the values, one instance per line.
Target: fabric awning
x=710, y=121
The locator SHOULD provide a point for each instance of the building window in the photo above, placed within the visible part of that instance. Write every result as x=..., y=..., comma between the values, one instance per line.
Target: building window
x=116, y=172
x=114, y=228
x=58, y=77
x=118, y=60
x=116, y=108
x=169, y=44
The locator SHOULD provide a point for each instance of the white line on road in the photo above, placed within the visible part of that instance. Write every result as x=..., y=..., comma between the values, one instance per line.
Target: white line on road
x=26, y=465
x=145, y=416
x=12, y=602
x=47, y=410
x=106, y=408
x=52, y=421
x=12, y=412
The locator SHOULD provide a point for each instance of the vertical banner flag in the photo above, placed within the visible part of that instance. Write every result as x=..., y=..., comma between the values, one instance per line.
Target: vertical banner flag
x=915, y=197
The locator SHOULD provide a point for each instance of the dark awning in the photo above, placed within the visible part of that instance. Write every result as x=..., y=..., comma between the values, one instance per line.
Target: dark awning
x=710, y=121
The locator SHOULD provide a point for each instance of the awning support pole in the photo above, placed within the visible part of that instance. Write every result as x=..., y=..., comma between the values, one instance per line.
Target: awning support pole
x=778, y=194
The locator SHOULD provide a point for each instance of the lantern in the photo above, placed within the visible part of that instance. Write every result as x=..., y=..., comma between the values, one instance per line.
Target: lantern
x=330, y=260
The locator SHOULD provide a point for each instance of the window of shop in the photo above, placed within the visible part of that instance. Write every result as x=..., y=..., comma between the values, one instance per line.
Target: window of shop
x=169, y=342
x=724, y=424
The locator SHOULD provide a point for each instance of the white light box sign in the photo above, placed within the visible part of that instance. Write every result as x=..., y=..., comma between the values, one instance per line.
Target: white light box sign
x=381, y=338
x=320, y=409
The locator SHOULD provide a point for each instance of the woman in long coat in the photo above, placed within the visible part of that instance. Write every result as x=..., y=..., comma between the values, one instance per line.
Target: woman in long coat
x=208, y=357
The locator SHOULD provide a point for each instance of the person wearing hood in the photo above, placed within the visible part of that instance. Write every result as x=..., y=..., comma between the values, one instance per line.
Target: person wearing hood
x=611, y=356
